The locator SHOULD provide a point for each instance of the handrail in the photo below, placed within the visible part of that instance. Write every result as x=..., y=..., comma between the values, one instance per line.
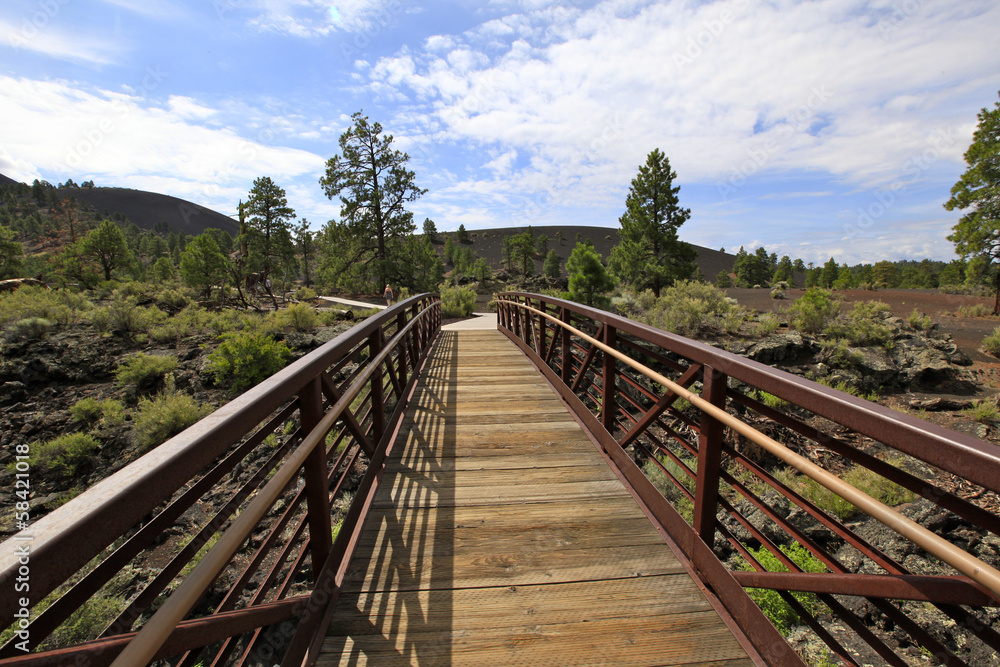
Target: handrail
x=702, y=479
x=250, y=450
x=961, y=560
x=157, y=629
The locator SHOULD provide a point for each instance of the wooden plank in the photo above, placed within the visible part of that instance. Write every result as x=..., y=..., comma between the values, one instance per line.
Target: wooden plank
x=499, y=536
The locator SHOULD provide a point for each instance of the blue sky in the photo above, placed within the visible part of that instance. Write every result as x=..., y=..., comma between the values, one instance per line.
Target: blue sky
x=816, y=128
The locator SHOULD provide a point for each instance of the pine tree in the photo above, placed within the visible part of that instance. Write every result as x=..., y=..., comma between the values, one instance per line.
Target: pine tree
x=650, y=254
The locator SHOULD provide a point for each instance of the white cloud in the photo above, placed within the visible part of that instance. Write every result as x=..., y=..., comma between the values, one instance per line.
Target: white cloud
x=311, y=18
x=124, y=140
x=36, y=33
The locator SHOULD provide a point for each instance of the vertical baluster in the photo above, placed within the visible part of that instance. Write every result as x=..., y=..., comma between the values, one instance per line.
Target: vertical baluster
x=314, y=472
x=567, y=352
x=541, y=330
x=378, y=396
x=608, y=404
x=400, y=323
x=709, y=456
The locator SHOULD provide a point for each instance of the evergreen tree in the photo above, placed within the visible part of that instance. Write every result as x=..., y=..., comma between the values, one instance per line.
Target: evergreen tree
x=784, y=271
x=978, y=191
x=523, y=246
x=551, y=265
x=430, y=229
x=462, y=236
x=305, y=241
x=829, y=274
x=542, y=245
x=723, y=280
x=373, y=184
x=107, y=245
x=203, y=265
x=650, y=253
x=163, y=269
x=11, y=254
x=588, y=279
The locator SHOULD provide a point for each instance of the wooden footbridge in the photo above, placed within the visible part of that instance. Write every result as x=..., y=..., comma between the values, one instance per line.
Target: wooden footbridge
x=569, y=488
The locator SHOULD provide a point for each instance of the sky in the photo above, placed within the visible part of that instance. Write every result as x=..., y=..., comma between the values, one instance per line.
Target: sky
x=815, y=128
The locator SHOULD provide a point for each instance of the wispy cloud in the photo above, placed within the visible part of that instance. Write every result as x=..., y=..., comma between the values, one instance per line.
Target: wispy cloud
x=32, y=34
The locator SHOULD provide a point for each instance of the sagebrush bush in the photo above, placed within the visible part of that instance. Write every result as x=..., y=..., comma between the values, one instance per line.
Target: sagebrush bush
x=164, y=416
x=975, y=310
x=143, y=370
x=767, y=324
x=125, y=315
x=864, y=325
x=30, y=301
x=305, y=294
x=245, y=358
x=689, y=307
x=90, y=411
x=63, y=455
x=30, y=328
x=457, y=301
x=991, y=343
x=813, y=310
x=297, y=317
x=173, y=297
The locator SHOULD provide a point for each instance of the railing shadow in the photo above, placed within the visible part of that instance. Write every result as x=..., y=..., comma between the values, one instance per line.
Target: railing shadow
x=398, y=588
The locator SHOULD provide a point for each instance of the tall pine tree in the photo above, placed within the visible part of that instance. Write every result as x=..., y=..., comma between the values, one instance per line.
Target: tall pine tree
x=650, y=254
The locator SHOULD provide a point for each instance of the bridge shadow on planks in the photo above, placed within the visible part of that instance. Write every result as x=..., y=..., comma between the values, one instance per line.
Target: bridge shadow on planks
x=500, y=536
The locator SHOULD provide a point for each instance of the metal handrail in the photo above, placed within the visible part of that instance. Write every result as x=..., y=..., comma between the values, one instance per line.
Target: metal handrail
x=157, y=629
x=959, y=559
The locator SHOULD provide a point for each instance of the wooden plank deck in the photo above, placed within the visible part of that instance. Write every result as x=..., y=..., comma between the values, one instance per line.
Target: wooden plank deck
x=501, y=537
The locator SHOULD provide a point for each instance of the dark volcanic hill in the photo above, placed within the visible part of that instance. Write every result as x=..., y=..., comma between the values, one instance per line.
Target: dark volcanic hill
x=4, y=180
x=145, y=209
x=488, y=244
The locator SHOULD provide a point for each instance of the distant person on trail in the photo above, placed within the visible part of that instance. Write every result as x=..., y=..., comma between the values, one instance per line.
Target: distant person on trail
x=387, y=295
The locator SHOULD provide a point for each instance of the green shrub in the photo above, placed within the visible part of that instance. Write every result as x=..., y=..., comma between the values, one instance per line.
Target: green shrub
x=90, y=411
x=975, y=310
x=919, y=321
x=126, y=316
x=769, y=601
x=767, y=324
x=173, y=298
x=984, y=412
x=667, y=487
x=770, y=400
x=246, y=358
x=813, y=311
x=991, y=343
x=457, y=301
x=30, y=301
x=305, y=294
x=879, y=487
x=862, y=478
x=689, y=307
x=64, y=454
x=297, y=317
x=164, y=416
x=864, y=325
x=31, y=328
x=143, y=370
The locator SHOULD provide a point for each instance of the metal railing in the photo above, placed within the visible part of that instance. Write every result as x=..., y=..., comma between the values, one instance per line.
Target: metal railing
x=730, y=473
x=235, y=534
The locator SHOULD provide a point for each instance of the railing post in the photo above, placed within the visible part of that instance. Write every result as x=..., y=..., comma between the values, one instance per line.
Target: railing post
x=516, y=316
x=706, y=496
x=566, y=372
x=400, y=323
x=314, y=472
x=378, y=389
x=541, y=330
x=608, y=374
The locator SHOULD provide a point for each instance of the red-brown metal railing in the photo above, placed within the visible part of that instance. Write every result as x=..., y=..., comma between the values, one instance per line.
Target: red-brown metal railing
x=730, y=469
x=225, y=531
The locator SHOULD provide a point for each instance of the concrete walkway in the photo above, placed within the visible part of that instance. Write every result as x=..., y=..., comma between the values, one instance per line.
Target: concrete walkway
x=348, y=302
x=478, y=322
